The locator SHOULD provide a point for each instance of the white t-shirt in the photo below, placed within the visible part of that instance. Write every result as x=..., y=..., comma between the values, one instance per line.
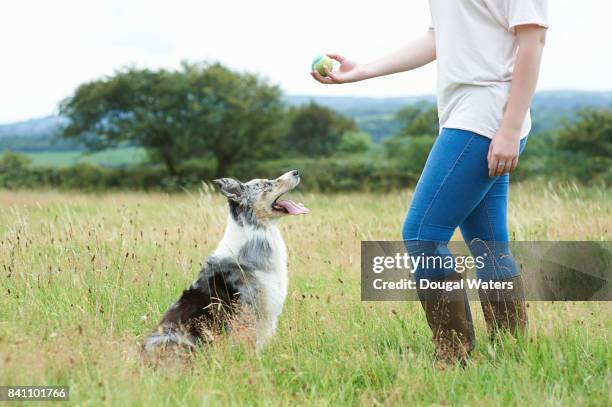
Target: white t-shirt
x=476, y=49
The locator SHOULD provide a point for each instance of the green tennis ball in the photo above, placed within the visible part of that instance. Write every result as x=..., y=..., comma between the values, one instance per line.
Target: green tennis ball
x=320, y=62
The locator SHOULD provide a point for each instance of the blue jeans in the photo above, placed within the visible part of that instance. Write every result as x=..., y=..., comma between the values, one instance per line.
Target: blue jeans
x=455, y=191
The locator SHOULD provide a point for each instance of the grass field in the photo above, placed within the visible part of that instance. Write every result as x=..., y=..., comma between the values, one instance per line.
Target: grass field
x=85, y=277
x=108, y=158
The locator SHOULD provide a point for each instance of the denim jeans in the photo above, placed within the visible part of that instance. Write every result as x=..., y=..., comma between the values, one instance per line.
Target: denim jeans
x=455, y=190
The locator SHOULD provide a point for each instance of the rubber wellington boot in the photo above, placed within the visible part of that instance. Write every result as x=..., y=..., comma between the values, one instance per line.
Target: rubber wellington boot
x=504, y=309
x=448, y=315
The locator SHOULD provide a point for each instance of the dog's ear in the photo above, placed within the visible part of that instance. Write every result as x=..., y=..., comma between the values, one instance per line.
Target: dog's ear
x=231, y=188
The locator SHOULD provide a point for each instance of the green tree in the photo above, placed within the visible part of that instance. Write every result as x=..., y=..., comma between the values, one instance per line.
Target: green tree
x=353, y=142
x=418, y=120
x=316, y=130
x=590, y=134
x=198, y=111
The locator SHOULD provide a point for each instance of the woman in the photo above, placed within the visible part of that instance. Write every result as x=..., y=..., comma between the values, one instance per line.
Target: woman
x=488, y=54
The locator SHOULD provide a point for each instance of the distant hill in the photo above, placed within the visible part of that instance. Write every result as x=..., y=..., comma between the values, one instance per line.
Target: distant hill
x=41, y=127
x=571, y=100
x=373, y=115
x=35, y=135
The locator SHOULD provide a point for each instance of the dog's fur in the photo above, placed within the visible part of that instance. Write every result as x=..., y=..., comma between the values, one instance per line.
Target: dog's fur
x=246, y=274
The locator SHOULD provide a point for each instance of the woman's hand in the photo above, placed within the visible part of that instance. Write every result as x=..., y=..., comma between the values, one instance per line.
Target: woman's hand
x=349, y=72
x=503, y=153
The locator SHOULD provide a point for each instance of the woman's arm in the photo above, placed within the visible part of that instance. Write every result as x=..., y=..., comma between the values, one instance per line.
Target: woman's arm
x=505, y=145
x=417, y=53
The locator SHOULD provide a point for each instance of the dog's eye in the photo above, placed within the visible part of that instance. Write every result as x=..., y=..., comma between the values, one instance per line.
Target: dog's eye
x=267, y=185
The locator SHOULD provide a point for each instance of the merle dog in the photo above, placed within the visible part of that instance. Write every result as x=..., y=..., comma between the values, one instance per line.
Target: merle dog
x=246, y=273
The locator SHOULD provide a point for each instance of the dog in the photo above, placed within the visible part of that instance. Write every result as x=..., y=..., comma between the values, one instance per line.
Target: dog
x=246, y=274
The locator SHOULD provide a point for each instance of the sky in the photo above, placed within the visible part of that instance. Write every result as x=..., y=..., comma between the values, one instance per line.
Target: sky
x=49, y=47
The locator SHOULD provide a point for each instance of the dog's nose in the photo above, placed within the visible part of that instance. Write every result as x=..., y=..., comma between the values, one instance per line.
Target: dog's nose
x=295, y=173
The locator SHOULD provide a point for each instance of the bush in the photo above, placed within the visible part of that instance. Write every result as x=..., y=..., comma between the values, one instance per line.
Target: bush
x=14, y=170
x=547, y=157
x=409, y=154
x=355, y=142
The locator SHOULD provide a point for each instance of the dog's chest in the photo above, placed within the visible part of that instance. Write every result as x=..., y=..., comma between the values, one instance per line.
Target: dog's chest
x=273, y=280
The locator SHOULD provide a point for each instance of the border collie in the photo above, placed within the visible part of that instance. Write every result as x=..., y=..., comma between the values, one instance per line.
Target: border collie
x=246, y=274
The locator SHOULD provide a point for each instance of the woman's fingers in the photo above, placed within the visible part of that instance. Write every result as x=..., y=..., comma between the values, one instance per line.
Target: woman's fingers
x=491, y=161
x=312, y=73
x=507, y=166
x=329, y=79
x=499, y=168
x=332, y=75
x=492, y=166
x=320, y=78
x=336, y=57
x=514, y=164
x=501, y=165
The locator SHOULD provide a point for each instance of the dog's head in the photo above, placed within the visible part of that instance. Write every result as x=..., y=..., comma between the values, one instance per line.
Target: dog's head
x=257, y=202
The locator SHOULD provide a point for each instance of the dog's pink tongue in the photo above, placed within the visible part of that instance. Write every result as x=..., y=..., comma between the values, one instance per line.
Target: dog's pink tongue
x=292, y=207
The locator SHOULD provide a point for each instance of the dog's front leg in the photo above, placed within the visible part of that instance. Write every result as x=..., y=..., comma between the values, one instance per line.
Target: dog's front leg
x=265, y=331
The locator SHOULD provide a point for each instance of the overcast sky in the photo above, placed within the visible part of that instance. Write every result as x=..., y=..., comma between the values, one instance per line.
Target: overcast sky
x=49, y=47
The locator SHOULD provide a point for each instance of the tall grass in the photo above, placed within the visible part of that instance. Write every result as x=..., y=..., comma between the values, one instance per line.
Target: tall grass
x=85, y=277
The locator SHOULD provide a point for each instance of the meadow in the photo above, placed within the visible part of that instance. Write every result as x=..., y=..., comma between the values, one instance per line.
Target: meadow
x=85, y=277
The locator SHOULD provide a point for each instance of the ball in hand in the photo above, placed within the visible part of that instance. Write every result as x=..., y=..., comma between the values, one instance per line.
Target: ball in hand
x=320, y=62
